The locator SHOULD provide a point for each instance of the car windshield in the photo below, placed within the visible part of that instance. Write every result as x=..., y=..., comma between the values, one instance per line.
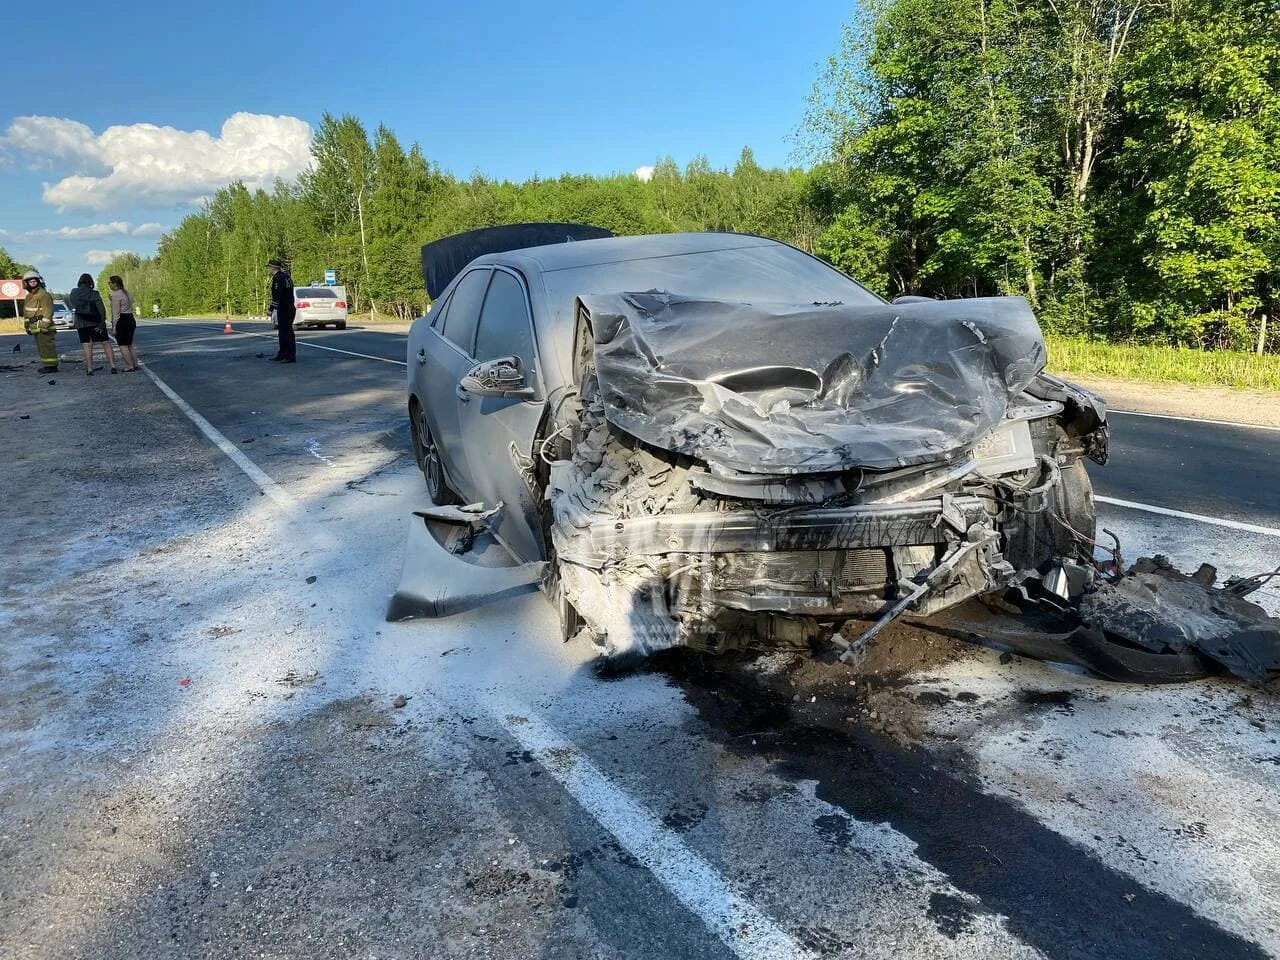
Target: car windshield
x=315, y=293
x=773, y=274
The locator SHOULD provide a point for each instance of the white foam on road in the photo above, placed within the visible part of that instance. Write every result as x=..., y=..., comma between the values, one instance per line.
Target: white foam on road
x=1177, y=787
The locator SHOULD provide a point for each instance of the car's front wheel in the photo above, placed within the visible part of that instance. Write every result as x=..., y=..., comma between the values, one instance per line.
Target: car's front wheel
x=428, y=456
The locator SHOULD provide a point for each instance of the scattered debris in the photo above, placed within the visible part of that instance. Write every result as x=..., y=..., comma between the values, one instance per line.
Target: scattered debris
x=184, y=682
x=1159, y=609
x=221, y=630
x=295, y=679
x=399, y=701
x=312, y=579
x=25, y=416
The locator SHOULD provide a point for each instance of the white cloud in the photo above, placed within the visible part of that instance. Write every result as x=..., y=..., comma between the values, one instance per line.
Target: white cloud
x=98, y=258
x=148, y=230
x=145, y=165
x=49, y=138
x=644, y=173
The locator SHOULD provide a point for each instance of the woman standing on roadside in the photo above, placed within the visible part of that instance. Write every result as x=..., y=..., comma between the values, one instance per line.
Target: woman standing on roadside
x=91, y=322
x=123, y=324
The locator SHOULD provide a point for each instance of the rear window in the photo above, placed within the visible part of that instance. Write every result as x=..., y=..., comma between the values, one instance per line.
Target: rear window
x=315, y=293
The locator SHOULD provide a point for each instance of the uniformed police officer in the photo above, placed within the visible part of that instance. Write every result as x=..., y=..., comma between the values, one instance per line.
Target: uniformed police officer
x=283, y=309
x=37, y=320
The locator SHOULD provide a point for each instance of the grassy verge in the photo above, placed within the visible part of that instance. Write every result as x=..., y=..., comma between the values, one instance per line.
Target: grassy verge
x=1123, y=361
x=11, y=325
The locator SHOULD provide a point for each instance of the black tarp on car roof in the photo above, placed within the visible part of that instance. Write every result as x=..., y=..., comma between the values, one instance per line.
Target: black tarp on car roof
x=444, y=259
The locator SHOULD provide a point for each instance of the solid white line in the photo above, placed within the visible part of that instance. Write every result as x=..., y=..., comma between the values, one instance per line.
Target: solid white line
x=265, y=483
x=749, y=933
x=1221, y=423
x=1197, y=517
x=350, y=353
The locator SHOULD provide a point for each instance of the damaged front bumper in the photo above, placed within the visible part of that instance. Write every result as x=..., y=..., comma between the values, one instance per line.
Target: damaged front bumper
x=648, y=582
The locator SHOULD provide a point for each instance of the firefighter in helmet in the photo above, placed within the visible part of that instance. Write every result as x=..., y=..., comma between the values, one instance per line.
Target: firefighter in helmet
x=37, y=320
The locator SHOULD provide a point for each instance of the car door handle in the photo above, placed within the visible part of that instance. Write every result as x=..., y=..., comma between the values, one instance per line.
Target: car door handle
x=422, y=357
x=461, y=394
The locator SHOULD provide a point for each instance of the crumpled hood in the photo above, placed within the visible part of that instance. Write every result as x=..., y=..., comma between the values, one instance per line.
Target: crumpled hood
x=808, y=388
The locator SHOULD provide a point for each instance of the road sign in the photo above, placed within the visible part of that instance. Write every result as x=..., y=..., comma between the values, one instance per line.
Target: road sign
x=12, y=290
x=330, y=278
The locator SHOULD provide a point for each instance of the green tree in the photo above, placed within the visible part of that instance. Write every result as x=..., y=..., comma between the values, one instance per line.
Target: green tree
x=1201, y=172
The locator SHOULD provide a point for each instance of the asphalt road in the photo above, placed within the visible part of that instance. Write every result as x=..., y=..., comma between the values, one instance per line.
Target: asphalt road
x=963, y=804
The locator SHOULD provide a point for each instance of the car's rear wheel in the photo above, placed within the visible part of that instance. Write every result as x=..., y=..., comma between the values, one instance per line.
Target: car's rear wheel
x=428, y=456
x=341, y=324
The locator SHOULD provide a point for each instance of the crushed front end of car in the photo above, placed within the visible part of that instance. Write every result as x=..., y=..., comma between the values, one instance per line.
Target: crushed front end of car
x=731, y=475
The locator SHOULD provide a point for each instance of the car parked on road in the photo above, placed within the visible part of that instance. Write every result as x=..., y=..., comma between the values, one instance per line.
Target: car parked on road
x=718, y=440
x=320, y=306
x=63, y=318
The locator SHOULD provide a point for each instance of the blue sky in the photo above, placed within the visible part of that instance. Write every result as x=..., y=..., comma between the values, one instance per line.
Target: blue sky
x=504, y=88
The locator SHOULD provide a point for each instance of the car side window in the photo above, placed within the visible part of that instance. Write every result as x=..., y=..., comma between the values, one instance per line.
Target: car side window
x=439, y=310
x=464, y=310
x=505, y=330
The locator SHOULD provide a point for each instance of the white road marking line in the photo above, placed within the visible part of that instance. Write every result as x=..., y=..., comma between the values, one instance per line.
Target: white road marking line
x=265, y=483
x=748, y=932
x=1169, y=416
x=316, y=346
x=1197, y=517
x=350, y=353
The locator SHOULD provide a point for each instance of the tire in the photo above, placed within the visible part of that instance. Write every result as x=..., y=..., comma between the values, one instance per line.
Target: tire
x=428, y=457
x=341, y=324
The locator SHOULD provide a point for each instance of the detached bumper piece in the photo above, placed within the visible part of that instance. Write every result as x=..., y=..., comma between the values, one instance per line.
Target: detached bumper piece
x=453, y=563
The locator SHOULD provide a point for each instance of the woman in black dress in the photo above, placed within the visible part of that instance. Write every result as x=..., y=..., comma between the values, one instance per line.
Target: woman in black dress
x=123, y=323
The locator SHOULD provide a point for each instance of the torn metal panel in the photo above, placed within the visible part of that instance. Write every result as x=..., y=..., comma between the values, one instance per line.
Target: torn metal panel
x=1157, y=608
x=810, y=388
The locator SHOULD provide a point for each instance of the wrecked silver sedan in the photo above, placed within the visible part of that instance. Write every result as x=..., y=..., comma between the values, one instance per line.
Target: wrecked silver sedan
x=719, y=441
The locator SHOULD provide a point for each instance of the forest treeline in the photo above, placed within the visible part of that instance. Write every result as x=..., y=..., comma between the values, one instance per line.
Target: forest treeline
x=1117, y=162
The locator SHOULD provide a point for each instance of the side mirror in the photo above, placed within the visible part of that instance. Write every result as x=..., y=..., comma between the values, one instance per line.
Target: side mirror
x=503, y=377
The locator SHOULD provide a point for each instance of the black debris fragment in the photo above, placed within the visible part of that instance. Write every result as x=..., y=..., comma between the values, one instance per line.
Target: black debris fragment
x=1158, y=608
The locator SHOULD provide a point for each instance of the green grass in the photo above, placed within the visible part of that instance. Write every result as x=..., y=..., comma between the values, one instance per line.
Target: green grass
x=1156, y=364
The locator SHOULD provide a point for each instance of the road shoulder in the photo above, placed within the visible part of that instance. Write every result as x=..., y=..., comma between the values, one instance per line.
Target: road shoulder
x=1187, y=400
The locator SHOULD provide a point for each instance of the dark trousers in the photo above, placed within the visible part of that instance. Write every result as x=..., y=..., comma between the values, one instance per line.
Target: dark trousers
x=288, y=343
